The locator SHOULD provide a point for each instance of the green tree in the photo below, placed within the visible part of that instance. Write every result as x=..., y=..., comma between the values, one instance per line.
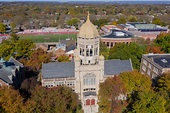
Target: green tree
x=126, y=51
x=158, y=21
x=147, y=102
x=163, y=88
x=141, y=96
x=163, y=41
x=23, y=48
x=12, y=25
x=63, y=58
x=132, y=19
x=135, y=81
x=100, y=22
x=2, y=27
x=6, y=49
x=104, y=50
x=73, y=22
x=54, y=100
x=122, y=20
x=16, y=47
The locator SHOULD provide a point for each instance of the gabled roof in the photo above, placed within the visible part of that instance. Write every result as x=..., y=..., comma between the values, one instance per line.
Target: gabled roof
x=4, y=76
x=58, y=69
x=68, y=42
x=67, y=69
x=70, y=47
x=17, y=63
x=115, y=67
x=6, y=67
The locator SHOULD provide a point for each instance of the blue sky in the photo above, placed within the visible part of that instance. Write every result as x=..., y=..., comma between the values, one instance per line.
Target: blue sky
x=79, y=0
x=84, y=0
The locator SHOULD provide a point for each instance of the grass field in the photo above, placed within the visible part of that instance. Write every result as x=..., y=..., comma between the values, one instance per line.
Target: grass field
x=48, y=37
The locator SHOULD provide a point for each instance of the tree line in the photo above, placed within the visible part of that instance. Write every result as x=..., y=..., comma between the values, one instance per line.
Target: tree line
x=38, y=15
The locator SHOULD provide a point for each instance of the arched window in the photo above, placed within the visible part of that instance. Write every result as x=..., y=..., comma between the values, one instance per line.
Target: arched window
x=88, y=102
x=89, y=79
x=92, y=101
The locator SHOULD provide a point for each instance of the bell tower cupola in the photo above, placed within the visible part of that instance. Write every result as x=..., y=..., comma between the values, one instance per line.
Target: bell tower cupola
x=88, y=43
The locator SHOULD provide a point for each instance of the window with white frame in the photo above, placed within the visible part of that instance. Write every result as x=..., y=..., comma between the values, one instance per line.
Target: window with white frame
x=148, y=72
x=149, y=66
x=70, y=83
x=89, y=79
x=59, y=83
x=155, y=70
x=143, y=67
x=48, y=84
x=144, y=61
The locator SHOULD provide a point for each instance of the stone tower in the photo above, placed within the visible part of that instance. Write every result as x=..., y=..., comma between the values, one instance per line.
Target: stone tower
x=89, y=66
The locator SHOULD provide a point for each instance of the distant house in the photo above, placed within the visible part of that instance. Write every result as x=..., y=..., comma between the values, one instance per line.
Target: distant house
x=4, y=37
x=154, y=65
x=65, y=47
x=11, y=72
x=43, y=46
x=107, y=28
x=59, y=52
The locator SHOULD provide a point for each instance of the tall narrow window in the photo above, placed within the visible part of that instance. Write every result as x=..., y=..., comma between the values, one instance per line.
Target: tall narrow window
x=87, y=52
x=91, y=52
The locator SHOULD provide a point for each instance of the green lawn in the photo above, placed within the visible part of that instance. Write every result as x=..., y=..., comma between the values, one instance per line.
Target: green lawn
x=48, y=37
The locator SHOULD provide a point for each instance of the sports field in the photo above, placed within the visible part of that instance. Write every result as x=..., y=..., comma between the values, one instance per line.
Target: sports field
x=48, y=37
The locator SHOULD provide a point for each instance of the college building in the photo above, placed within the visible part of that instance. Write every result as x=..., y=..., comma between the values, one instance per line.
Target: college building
x=154, y=65
x=86, y=71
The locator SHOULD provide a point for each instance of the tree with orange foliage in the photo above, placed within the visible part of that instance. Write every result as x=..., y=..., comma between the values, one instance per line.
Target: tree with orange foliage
x=154, y=49
x=12, y=102
x=36, y=59
x=109, y=92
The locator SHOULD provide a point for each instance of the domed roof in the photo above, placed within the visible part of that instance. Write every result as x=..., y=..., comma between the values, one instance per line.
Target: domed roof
x=88, y=30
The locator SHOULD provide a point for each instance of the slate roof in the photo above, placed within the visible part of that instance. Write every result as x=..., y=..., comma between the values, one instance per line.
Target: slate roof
x=58, y=69
x=115, y=67
x=6, y=67
x=16, y=63
x=67, y=69
x=4, y=76
x=70, y=47
x=68, y=42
